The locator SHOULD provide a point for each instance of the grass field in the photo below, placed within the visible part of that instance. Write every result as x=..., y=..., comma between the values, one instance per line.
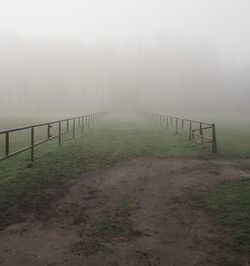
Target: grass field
x=109, y=144
x=233, y=136
x=229, y=203
x=234, y=142
x=113, y=142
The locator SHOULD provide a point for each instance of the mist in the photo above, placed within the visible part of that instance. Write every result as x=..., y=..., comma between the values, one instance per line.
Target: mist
x=124, y=132
x=160, y=56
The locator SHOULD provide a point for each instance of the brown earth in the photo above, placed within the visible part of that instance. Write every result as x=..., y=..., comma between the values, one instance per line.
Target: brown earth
x=169, y=232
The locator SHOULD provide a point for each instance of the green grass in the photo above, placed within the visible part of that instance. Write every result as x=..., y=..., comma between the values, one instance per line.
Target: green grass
x=88, y=248
x=23, y=187
x=234, y=141
x=233, y=131
x=115, y=224
x=112, y=142
x=229, y=203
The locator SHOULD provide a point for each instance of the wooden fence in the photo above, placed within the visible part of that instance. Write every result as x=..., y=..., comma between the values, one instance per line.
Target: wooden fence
x=201, y=131
x=51, y=130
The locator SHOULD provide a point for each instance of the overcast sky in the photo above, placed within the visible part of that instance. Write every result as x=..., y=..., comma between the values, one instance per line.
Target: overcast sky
x=224, y=22
x=166, y=55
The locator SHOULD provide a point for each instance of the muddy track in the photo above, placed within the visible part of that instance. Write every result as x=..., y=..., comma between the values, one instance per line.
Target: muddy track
x=168, y=232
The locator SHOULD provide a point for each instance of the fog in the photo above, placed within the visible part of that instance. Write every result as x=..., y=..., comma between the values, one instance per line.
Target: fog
x=72, y=57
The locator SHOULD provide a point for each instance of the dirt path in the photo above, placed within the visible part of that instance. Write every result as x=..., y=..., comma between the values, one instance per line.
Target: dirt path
x=169, y=233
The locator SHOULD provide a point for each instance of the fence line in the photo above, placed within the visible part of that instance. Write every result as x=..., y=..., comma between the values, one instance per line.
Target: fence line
x=189, y=126
x=195, y=129
x=77, y=123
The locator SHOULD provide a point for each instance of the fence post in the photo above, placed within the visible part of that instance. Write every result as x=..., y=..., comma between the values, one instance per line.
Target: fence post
x=214, y=141
x=201, y=132
x=7, y=143
x=67, y=125
x=48, y=131
x=82, y=125
x=32, y=154
x=182, y=124
x=171, y=120
x=74, y=124
x=87, y=121
x=176, y=125
x=59, y=133
x=167, y=122
x=190, y=130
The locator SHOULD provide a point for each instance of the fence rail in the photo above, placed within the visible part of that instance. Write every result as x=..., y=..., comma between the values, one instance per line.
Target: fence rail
x=51, y=130
x=189, y=126
x=202, y=131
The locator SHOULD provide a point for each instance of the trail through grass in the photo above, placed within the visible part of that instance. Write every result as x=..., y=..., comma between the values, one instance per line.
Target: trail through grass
x=110, y=143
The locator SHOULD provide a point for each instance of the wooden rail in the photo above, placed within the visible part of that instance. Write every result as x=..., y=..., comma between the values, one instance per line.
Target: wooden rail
x=79, y=122
x=192, y=127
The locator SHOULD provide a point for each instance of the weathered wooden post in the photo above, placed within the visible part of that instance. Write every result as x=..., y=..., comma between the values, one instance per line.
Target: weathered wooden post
x=7, y=143
x=59, y=133
x=190, y=130
x=67, y=125
x=82, y=124
x=74, y=124
x=88, y=121
x=32, y=152
x=201, y=131
x=214, y=141
x=49, y=135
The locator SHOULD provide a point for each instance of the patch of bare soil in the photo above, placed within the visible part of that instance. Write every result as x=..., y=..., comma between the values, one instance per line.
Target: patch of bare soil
x=169, y=233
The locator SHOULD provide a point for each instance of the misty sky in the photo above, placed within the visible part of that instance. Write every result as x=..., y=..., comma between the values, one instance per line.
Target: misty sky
x=114, y=51
x=225, y=22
